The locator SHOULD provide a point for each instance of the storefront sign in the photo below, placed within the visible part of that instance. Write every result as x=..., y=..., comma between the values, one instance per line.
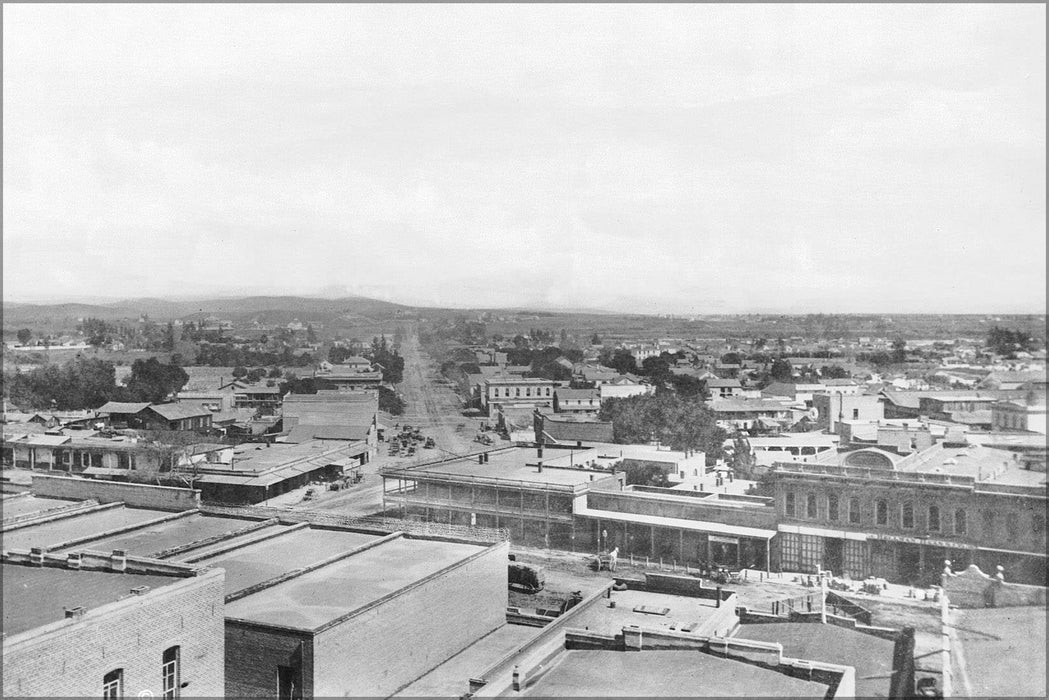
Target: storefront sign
x=723, y=540
x=920, y=540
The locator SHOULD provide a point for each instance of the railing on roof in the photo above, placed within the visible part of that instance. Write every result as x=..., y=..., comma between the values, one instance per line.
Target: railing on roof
x=382, y=523
x=873, y=474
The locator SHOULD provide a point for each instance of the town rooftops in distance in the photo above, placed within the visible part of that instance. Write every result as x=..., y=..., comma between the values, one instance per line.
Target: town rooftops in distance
x=123, y=407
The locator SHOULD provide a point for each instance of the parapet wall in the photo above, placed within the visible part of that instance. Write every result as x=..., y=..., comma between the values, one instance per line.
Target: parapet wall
x=973, y=588
x=133, y=495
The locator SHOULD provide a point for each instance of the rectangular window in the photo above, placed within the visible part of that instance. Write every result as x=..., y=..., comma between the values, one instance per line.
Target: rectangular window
x=123, y=460
x=832, y=507
x=790, y=504
x=854, y=510
x=934, y=519
x=881, y=513
x=1012, y=526
x=170, y=672
x=810, y=506
x=959, y=522
x=988, y=523
x=113, y=685
x=907, y=515
x=855, y=414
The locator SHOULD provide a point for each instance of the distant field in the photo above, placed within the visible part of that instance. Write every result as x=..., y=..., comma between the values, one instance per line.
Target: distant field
x=61, y=355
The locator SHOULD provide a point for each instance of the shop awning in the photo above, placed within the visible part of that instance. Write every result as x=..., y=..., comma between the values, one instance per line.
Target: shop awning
x=697, y=525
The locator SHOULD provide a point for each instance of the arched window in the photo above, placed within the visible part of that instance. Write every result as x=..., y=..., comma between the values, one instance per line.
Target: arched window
x=832, y=507
x=881, y=513
x=789, y=506
x=810, y=506
x=934, y=518
x=854, y=510
x=113, y=684
x=170, y=672
x=959, y=522
x=907, y=515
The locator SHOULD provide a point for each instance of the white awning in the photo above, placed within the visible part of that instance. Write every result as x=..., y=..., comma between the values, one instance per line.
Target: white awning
x=820, y=532
x=1043, y=555
x=698, y=525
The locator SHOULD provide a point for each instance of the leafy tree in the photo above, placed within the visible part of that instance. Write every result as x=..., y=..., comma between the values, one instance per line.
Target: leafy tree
x=255, y=375
x=24, y=336
x=240, y=371
x=338, y=354
x=275, y=373
x=311, y=335
x=293, y=385
x=595, y=339
x=390, y=402
x=899, y=351
x=619, y=359
x=169, y=338
x=153, y=381
x=781, y=370
x=731, y=358
x=97, y=331
x=685, y=425
x=834, y=372
x=646, y=475
x=688, y=387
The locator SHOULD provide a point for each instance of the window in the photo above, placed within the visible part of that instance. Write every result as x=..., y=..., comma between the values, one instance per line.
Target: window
x=959, y=522
x=907, y=515
x=934, y=518
x=854, y=510
x=832, y=507
x=881, y=513
x=170, y=672
x=1012, y=526
x=1038, y=526
x=113, y=685
x=855, y=414
x=810, y=506
x=790, y=504
x=988, y=523
x=123, y=460
x=517, y=391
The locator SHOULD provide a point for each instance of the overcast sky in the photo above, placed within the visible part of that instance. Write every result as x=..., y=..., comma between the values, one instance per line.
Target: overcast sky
x=676, y=158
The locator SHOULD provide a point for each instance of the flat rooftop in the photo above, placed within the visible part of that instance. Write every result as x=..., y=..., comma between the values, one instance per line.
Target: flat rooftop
x=270, y=558
x=871, y=656
x=451, y=678
x=313, y=599
x=655, y=673
x=153, y=539
x=26, y=505
x=682, y=612
x=62, y=530
x=35, y=596
x=511, y=464
x=257, y=458
x=1011, y=663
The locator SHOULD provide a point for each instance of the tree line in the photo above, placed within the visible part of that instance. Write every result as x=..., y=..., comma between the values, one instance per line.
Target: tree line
x=88, y=383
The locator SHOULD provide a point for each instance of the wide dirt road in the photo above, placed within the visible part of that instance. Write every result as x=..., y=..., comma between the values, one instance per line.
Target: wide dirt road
x=433, y=407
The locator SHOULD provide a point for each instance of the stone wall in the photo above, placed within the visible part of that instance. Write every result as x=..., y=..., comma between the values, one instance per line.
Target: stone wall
x=973, y=588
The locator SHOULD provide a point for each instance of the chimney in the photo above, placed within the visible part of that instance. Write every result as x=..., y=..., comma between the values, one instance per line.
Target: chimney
x=75, y=613
x=140, y=590
x=36, y=556
x=74, y=560
x=540, y=465
x=480, y=459
x=118, y=560
x=578, y=443
x=486, y=458
x=540, y=451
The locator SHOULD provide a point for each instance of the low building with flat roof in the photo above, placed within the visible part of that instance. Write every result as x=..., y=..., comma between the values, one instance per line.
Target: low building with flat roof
x=257, y=472
x=310, y=609
x=110, y=626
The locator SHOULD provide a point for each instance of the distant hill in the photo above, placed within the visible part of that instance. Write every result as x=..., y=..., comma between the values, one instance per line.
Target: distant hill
x=266, y=309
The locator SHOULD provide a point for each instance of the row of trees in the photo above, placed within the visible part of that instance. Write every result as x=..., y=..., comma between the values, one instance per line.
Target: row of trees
x=87, y=383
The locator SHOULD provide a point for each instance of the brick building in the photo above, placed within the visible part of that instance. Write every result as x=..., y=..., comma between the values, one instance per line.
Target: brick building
x=875, y=511
x=112, y=626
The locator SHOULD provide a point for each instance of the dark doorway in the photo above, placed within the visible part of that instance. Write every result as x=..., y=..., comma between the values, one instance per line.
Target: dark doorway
x=289, y=683
x=910, y=563
x=834, y=555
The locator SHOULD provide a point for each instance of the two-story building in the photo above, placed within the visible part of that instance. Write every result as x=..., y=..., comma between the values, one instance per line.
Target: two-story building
x=760, y=415
x=1019, y=416
x=517, y=391
x=586, y=401
x=875, y=512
